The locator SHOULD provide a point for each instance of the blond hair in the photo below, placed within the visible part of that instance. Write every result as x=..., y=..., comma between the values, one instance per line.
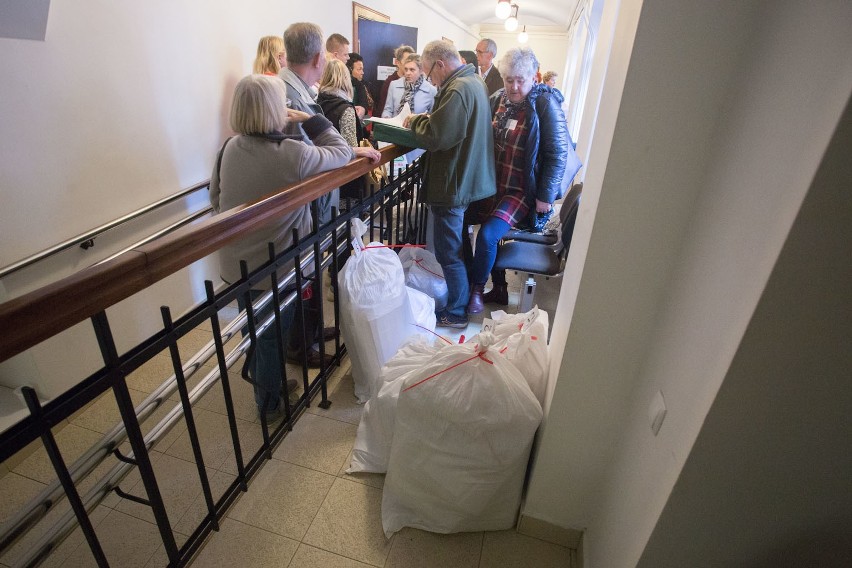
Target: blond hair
x=548, y=76
x=336, y=77
x=259, y=106
x=414, y=58
x=268, y=49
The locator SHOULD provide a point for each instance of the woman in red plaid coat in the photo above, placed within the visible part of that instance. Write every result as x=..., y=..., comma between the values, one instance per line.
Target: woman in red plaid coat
x=530, y=146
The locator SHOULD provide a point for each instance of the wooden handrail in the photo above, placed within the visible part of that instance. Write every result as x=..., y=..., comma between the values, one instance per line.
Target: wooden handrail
x=43, y=313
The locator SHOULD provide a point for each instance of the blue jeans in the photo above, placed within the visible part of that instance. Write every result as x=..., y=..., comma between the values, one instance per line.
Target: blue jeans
x=265, y=366
x=490, y=233
x=448, y=228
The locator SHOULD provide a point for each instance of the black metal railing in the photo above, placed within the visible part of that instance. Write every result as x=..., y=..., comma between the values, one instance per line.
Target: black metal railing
x=394, y=215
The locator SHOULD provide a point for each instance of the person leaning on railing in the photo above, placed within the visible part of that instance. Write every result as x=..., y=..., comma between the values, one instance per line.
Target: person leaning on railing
x=253, y=164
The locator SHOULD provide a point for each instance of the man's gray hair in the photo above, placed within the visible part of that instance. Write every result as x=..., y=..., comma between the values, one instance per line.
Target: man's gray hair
x=441, y=50
x=302, y=42
x=518, y=62
x=490, y=46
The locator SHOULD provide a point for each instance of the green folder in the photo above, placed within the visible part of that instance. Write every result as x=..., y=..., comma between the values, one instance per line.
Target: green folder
x=395, y=135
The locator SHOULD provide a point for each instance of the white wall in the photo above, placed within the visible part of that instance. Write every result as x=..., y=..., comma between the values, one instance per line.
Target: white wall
x=726, y=111
x=550, y=47
x=125, y=103
x=767, y=481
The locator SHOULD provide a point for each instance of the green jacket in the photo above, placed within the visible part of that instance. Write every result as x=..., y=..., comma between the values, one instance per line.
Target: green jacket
x=459, y=164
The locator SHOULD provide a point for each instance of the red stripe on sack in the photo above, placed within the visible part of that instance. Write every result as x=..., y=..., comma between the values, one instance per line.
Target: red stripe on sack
x=393, y=246
x=432, y=332
x=440, y=372
x=418, y=262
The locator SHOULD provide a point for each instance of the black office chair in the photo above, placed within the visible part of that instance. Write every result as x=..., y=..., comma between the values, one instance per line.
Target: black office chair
x=536, y=258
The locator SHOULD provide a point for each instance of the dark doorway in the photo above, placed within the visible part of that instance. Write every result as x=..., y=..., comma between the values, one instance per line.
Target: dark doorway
x=377, y=42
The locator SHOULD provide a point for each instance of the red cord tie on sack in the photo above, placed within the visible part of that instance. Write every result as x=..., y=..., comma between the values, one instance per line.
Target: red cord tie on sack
x=430, y=377
x=419, y=262
x=432, y=332
x=393, y=246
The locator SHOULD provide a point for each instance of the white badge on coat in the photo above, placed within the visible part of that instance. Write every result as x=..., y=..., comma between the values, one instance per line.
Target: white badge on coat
x=511, y=124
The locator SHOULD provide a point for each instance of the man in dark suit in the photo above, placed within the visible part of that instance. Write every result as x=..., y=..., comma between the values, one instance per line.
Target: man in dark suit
x=486, y=50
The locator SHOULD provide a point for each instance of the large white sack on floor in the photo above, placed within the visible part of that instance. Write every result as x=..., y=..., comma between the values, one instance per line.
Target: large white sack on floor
x=375, y=315
x=375, y=431
x=422, y=313
x=522, y=338
x=461, y=443
x=424, y=273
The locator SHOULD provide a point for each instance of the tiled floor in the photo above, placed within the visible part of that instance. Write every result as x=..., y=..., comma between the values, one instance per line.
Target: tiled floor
x=301, y=509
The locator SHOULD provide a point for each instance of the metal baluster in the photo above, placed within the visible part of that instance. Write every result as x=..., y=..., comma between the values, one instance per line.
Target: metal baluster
x=252, y=329
x=65, y=479
x=226, y=384
x=134, y=434
x=279, y=337
x=187, y=414
x=318, y=289
x=300, y=312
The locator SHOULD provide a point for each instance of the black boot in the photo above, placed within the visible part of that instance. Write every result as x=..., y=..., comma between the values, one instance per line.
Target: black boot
x=499, y=295
x=474, y=305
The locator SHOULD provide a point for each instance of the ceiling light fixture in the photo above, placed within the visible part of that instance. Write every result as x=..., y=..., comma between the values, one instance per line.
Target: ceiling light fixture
x=523, y=37
x=511, y=23
x=503, y=9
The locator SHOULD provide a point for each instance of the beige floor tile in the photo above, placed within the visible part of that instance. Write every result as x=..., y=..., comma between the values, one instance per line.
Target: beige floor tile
x=242, y=395
x=196, y=512
x=318, y=443
x=283, y=498
x=102, y=415
x=214, y=435
x=245, y=546
x=509, y=549
x=160, y=558
x=251, y=439
x=413, y=548
x=72, y=441
x=310, y=557
x=349, y=523
x=15, y=491
x=179, y=485
x=341, y=393
x=226, y=315
x=126, y=541
x=152, y=374
x=372, y=479
x=60, y=555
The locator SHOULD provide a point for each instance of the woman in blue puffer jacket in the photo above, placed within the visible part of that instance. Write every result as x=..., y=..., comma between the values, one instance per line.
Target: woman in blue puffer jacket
x=530, y=148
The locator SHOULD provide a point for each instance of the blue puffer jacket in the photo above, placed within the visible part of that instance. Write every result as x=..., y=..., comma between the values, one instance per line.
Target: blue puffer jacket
x=547, y=144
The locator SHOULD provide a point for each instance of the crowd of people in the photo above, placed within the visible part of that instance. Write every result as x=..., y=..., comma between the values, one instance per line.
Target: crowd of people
x=495, y=143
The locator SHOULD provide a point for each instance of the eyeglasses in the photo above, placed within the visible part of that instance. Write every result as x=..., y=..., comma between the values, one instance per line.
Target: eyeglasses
x=429, y=74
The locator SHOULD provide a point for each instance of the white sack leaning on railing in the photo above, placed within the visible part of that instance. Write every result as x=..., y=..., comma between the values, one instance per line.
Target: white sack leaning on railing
x=464, y=428
x=376, y=311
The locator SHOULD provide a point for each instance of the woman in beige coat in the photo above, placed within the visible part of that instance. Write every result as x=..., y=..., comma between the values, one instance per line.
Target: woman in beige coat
x=256, y=163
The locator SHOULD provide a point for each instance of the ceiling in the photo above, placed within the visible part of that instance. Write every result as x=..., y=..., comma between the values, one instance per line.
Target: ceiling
x=530, y=12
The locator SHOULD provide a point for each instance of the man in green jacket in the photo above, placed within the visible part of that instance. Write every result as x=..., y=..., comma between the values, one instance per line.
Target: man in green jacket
x=459, y=164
